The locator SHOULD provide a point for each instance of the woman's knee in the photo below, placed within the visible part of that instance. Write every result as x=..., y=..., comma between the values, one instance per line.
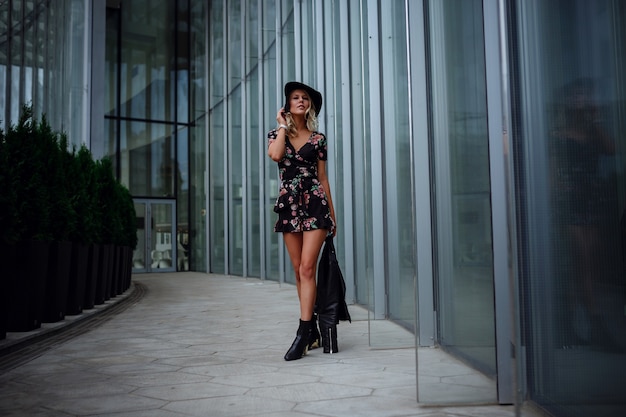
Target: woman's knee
x=307, y=270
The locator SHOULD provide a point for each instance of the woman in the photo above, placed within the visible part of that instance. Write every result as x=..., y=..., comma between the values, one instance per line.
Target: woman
x=583, y=197
x=304, y=205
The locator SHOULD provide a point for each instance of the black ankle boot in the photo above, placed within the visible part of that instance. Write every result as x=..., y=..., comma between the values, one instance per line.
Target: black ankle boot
x=314, y=338
x=301, y=342
x=328, y=330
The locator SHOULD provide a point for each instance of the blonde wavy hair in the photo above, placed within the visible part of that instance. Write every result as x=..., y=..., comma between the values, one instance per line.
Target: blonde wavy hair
x=311, y=121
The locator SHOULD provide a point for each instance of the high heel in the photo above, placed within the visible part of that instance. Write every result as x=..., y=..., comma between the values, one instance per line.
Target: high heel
x=301, y=343
x=328, y=329
x=314, y=338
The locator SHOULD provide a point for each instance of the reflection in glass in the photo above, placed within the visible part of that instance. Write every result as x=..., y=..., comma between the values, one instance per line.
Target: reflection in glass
x=162, y=237
x=139, y=254
x=147, y=159
x=569, y=152
x=147, y=71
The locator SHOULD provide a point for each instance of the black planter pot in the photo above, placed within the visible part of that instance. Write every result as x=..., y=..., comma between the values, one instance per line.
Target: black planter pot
x=91, y=277
x=115, y=275
x=7, y=260
x=121, y=276
x=101, y=294
x=109, y=268
x=28, y=286
x=128, y=269
x=57, y=283
x=77, y=279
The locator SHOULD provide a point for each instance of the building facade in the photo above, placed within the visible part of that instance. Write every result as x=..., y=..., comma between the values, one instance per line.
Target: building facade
x=475, y=156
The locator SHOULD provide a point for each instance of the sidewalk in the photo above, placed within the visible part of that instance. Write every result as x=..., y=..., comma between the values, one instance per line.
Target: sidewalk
x=192, y=344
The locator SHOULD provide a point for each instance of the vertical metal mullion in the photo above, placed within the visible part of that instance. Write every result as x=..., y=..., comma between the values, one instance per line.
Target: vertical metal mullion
x=504, y=318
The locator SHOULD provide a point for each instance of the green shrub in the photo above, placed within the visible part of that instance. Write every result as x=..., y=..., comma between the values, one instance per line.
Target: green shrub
x=52, y=193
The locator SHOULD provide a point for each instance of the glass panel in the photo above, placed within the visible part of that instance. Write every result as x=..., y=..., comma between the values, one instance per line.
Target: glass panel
x=197, y=239
x=147, y=158
x=110, y=144
x=15, y=45
x=362, y=177
x=400, y=276
x=217, y=224
x=464, y=267
x=217, y=131
x=270, y=102
x=76, y=74
x=4, y=65
x=28, y=36
x=288, y=42
x=139, y=254
x=182, y=63
x=570, y=148
x=256, y=151
x=236, y=235
x=148, y=58
x=111, y=61
x=195, y=244
x=41, y=23
x=182, y=199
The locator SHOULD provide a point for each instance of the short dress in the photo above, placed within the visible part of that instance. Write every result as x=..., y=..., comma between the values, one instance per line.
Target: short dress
x=580, y=194
x=302, y=204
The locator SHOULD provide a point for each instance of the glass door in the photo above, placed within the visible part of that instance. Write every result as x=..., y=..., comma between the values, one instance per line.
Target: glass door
x=156, y=235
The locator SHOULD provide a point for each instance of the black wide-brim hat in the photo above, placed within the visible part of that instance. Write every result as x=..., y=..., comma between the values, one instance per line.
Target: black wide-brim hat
x=314, y=95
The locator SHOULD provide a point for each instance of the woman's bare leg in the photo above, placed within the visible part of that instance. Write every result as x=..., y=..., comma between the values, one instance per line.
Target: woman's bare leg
x=293, y=242
x=304, y=249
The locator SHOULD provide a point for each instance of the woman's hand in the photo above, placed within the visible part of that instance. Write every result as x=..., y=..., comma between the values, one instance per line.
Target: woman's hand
x=280, y=117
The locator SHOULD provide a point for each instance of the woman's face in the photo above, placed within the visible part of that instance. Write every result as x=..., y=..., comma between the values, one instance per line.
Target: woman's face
x=299, y=102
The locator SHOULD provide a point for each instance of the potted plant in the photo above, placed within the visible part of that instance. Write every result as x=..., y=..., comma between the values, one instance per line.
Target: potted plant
x=90, y=218
x=62, y=221
x=78, y=166
x=7, y=250
x=105, y=185
x=25, y=220
x=129, y=219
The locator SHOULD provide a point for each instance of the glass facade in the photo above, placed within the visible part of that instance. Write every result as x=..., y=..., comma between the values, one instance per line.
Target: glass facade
x=44, y=63
x=154, y=123
x=475, y=160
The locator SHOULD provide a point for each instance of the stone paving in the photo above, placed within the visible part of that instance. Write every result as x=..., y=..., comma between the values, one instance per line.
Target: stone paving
x=192, y=344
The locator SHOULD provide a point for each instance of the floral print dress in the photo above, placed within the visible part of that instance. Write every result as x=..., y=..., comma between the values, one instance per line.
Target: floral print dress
x=301, y=204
